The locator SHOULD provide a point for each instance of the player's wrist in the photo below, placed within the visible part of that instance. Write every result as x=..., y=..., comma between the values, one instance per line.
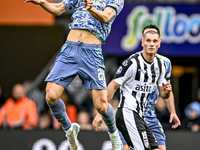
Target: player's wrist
x=42, y=2
x=98, y=114
x=91, y=8
x=173, y=112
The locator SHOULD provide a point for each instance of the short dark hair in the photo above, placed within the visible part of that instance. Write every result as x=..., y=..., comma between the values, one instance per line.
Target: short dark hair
x=151, y=26
x=151, y=32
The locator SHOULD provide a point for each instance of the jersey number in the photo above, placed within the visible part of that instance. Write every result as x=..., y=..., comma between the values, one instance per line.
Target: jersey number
x=100, y=74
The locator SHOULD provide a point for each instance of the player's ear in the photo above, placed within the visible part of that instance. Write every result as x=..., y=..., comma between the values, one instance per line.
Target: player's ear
x=142, y=42
x=159, y=42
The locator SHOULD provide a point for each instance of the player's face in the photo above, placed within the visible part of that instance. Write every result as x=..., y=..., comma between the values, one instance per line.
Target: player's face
x=151, y=43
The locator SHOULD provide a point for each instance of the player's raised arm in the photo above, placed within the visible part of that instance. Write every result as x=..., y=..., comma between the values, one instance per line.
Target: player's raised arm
x=102, y=16
x=53, y=8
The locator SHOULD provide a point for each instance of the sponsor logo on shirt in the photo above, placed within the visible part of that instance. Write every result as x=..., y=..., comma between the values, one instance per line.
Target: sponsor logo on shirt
x=143, y=88
x=119, y=70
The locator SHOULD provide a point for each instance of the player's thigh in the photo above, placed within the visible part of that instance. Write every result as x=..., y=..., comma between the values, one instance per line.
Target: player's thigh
x=100, y=99
x=53, y=92
x=162, y=147
x=157, y=130
x=131, y=128
x=151, y=138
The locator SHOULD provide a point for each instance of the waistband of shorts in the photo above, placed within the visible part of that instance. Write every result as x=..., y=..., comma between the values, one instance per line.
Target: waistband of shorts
x=79, y=43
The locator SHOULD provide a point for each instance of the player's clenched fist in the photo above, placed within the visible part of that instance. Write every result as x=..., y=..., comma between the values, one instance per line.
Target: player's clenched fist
x=88, y=4
x=167, y=87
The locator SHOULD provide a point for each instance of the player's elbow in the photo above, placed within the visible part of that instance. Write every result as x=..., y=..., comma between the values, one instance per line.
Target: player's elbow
x=59, y=9
x=105, y=20
x=57, y=13
x=108, y=14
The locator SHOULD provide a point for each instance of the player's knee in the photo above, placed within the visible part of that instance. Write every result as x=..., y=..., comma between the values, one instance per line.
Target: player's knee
x=51, y=97
x=102, y=108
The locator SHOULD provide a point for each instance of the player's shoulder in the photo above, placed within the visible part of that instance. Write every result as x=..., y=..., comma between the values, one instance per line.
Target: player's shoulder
x=127, y=62
x=133, y=56
x=130, y=60
x=163, y=58
x=125, y=65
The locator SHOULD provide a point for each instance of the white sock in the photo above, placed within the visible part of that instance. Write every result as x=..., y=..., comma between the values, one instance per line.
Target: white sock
x=116, y=132
x=69, y=131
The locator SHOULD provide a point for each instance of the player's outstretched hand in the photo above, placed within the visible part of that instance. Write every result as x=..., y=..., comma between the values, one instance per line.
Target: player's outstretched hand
x=174, y=117
x=97, y=122
x=88, y=4
x=37, y=2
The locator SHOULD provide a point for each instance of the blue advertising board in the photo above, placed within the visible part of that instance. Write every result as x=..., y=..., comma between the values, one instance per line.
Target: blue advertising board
x=179, y=25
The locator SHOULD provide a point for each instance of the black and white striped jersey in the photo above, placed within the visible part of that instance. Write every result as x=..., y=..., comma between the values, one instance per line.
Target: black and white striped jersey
x=137, y=78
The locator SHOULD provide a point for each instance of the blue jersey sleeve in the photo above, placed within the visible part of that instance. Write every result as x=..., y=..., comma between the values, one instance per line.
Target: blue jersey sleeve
x=168, y=69
x=116, y=5
x=70, y=4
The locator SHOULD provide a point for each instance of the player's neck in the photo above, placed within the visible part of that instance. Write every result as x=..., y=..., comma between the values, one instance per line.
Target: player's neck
x=148, y=57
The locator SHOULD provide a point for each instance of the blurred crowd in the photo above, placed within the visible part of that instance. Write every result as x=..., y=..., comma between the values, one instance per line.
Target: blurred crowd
x=27, y=109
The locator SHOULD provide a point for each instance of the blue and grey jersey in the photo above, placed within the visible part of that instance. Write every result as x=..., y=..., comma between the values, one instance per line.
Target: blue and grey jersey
x=82, y=19
x=153, y=97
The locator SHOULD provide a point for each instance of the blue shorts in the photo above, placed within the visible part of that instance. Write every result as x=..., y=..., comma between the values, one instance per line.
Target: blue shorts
x=156, y=128
x=122, y=138
x=84, y=60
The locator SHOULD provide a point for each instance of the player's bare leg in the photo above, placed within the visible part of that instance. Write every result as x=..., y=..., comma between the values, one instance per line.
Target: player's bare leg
x=107, y=112
x=162, y=147
x=125, y=147
x=58, y=109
